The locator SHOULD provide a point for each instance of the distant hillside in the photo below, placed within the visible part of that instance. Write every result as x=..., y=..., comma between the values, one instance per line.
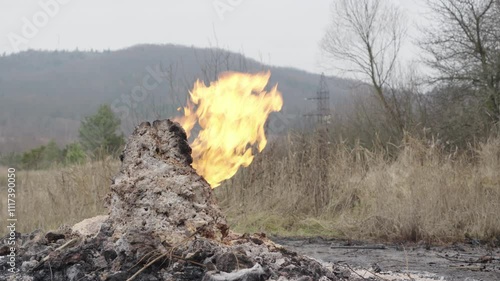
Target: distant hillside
x=44, y=95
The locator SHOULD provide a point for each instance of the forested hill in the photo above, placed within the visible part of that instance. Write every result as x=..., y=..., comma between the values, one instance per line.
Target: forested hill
x=45, y=94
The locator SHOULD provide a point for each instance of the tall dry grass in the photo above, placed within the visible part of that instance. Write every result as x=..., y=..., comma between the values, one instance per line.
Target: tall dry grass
x=302, y=186
x=47, y=199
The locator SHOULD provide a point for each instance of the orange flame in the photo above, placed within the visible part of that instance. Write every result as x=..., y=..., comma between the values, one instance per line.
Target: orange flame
x=232, y=113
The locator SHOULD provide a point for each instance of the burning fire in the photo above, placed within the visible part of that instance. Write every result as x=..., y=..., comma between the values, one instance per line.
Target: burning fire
x=231, y=113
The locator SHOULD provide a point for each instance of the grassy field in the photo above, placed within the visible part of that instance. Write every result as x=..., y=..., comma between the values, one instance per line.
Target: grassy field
x=48, y=199
x=302, y=186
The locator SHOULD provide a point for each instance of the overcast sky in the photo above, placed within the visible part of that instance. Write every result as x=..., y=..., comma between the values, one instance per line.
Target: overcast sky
x=278, y=32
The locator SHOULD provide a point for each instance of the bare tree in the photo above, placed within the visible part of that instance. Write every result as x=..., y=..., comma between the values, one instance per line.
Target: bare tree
x=365, y=38
x=216, y=61
x=463, y=46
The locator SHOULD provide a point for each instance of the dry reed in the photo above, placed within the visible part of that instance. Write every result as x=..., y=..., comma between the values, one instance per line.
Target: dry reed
x=47, y=199
x=302, y=186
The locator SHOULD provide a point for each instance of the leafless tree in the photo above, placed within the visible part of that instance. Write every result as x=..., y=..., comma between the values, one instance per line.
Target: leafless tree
x=463, y=46
x=216, y=61
x=365, y=38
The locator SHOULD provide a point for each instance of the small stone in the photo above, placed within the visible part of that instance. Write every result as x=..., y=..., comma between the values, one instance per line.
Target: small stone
x=28, y=265
x=109, y=255
x=4, y=250
x=89, y=227
x=280, y=262
x=53, y=236
x=74, y=273
x=231, y=261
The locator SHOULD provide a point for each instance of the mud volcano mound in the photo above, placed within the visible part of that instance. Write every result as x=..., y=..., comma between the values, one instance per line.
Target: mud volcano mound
x=163, y=224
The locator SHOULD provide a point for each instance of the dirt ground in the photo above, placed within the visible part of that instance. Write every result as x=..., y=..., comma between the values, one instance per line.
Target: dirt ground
x=417, y=262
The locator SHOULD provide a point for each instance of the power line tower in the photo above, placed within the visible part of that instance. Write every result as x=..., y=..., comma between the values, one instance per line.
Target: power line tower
x=322, y=102
x=323, y=116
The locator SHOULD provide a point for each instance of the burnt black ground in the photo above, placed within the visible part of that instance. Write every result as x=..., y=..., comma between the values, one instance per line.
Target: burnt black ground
x=453, y=262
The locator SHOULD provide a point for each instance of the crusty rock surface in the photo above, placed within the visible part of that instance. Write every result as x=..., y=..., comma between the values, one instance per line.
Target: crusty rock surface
x=158, y=192
x=163, y=224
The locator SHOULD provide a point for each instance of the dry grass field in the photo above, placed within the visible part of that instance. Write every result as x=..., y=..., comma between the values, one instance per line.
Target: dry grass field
x=62, y=195
x=299, y=186
x=424, y=193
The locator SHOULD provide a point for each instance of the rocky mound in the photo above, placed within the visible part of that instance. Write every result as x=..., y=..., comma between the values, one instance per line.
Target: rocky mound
x=163, y=224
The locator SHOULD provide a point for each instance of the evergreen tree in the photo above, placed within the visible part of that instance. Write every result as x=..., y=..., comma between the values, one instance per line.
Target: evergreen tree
x=74, y=154
x=100, y=133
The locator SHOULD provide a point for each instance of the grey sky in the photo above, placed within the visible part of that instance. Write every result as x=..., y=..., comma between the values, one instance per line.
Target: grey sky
x=279, y=32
